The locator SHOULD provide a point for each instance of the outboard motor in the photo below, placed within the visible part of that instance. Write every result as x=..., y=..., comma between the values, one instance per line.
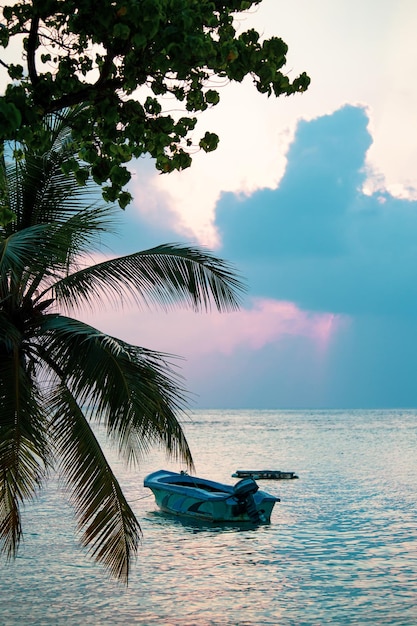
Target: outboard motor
x=243, y=491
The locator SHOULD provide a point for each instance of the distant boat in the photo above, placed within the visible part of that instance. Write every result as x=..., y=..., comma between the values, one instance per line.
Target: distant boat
x=185, y=495
x=264, y=474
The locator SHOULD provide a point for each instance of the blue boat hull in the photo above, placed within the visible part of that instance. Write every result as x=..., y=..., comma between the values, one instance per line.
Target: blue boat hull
x=184, y=495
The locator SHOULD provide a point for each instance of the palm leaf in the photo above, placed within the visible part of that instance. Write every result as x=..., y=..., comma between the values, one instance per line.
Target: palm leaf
x=167, y=275
x=44, y=253
x=109, y=528
x=24, y=447
x=39, y=192
x=133, y=391
x=19, y=250
x=56, y=373
x=37, y=188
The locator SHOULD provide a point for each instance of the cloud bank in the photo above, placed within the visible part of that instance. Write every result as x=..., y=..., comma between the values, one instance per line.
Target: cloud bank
x=313, y=198
x=361, y=55
x=330, y=318
x=318, y=240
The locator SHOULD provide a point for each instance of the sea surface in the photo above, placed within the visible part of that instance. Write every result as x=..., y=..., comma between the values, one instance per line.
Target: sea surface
x=341, y=547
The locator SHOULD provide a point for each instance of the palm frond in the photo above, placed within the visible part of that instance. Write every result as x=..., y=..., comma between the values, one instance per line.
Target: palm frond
x=81, y=233
x=39, y=192
x=166, y=275
x=20, y=250
x=27, y=258
x=59, y=126
x=56, y=373
x=44, y=253
x=24, y=447
x=109, y=527
x=38, y=188
x=133, y=391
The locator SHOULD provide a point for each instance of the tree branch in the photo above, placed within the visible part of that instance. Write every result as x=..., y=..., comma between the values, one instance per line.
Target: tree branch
x=31, y=50
x=89, y=92
x=103, y=84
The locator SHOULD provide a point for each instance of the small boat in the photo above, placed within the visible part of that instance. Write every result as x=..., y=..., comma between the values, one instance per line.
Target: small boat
x=264, y=474
x=185, y=495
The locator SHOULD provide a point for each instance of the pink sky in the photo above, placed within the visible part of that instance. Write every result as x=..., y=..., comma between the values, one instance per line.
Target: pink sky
x=193, y=335
x=256, y=134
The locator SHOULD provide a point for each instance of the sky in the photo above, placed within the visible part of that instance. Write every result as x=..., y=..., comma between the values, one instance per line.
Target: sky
x=313, y=198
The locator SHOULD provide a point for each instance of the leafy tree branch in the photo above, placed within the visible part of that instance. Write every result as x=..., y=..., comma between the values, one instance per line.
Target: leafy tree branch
x=119, y=62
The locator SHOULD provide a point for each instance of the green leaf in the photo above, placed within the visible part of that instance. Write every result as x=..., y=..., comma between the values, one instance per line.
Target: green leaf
x=152, y=106
x=6, y=216
x=15, y=72
x=121, y=31
x=124, y=199
x=209, y=142
x=212, y=97
x=10, y=117
x=81, y=176
x=70, y=165
x=4, y=33
x=119, y=175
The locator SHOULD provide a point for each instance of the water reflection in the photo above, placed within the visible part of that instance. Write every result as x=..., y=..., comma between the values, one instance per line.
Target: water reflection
x=170, y=520
x=341, y=547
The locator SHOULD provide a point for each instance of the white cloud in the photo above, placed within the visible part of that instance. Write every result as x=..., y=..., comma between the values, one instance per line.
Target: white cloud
x=356, y=53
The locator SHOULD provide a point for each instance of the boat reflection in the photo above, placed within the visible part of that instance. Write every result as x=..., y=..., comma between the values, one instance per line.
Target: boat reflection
x=192, y=525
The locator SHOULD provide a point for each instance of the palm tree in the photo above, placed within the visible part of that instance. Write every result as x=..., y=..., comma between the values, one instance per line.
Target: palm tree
x=58, y=375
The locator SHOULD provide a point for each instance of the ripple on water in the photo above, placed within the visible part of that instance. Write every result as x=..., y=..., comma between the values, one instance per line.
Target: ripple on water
x=341, y=548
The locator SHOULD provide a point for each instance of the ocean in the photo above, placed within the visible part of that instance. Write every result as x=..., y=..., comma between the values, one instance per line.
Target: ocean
x=341, y=547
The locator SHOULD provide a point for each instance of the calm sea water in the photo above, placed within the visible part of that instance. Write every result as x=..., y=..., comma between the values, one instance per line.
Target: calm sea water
x=341, y=547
